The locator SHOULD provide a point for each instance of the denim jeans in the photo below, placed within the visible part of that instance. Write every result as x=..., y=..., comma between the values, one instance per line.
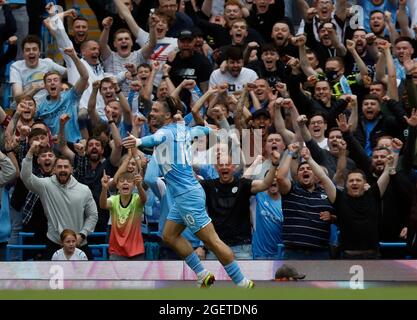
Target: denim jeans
x=16, y=222
x=241, y=252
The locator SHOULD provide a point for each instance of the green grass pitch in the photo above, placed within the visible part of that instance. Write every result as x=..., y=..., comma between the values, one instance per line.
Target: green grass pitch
x=276, y=293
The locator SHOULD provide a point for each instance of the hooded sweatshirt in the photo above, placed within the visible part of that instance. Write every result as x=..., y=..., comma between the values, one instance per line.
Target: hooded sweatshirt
x=7, y=172
x=69, y=206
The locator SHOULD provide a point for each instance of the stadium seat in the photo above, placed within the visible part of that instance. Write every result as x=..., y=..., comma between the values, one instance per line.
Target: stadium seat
x=393, y=245
x=152, y=250
x=99, y=251
x=23, y=247
x=23, y=235
x=281, y=249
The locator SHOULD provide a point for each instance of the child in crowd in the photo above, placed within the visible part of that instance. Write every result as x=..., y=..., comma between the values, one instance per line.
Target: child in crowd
x=126, y=209
x=69, y=250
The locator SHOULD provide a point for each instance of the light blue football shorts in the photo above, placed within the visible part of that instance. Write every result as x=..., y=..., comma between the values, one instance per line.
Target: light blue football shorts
x=190, y=209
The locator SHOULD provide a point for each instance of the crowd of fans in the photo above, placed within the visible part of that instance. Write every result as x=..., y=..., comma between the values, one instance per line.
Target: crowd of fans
x=315, y=99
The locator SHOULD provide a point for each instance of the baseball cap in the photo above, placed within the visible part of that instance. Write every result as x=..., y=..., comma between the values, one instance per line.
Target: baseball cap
x=186, y=34
x=261, y=112
x=288, y=272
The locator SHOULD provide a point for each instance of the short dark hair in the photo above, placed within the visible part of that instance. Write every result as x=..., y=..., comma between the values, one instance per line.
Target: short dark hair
x=301, y=164
x=49, y=73
x=356, y=171
x=317, y=114
x=311, y=51
x=333, y=129
x=31, y=38
x=122, y=30
x=97, y=138
x=371, y=97
x=268, y=47
x=63, y=157
x=321, y=25
x=381, y=148
x=406, y=39
x=321, y=79
x=80, y=18
x=240, y=20
x=45, y=150
x=39, y=121
x=37, y=132
x=289, y=25
x=374, y=12
x=101, y=127
x=144, y=65
x=159, y=2
x=359, y=29
x=106, y=79
x=384, y=85
x=234, y=53
x=26, y=97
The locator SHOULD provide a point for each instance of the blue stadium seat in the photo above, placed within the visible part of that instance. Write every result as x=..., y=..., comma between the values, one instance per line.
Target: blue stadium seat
x=396, y=245
x=152, y=250
x=281, y=249
x=97, y=235
x=23, y=235
x=23, y=247
x=99, y=251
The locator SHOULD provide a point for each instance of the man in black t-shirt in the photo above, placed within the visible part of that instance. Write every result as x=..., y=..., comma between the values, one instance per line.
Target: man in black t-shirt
x=363, y=49
x=189, y=64
x=227, y=200
x=269, y=67
x=80, y=33
x=358, y=211
x=281, y=35
x=264, y=14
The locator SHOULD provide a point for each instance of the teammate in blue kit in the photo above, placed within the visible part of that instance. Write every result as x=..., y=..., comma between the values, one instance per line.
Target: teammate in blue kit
x=173, y=153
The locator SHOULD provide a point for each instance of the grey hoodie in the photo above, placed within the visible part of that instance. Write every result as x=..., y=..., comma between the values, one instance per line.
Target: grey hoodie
x=69, y=206
x=7, y=172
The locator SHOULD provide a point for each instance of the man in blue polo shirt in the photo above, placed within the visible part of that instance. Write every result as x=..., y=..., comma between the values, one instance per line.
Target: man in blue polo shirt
x=58, y=102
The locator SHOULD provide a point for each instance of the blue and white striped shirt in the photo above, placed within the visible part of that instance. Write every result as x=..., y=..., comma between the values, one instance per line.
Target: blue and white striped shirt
x=302, y=224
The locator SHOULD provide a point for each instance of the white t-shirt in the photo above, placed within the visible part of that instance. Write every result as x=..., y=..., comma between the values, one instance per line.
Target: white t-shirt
x=21, y=74
x=78, y=255
x=115, y=64
x=323, y=144
x=161, y=51
x=94, y=73
x=339, y=30
x=235, y=83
